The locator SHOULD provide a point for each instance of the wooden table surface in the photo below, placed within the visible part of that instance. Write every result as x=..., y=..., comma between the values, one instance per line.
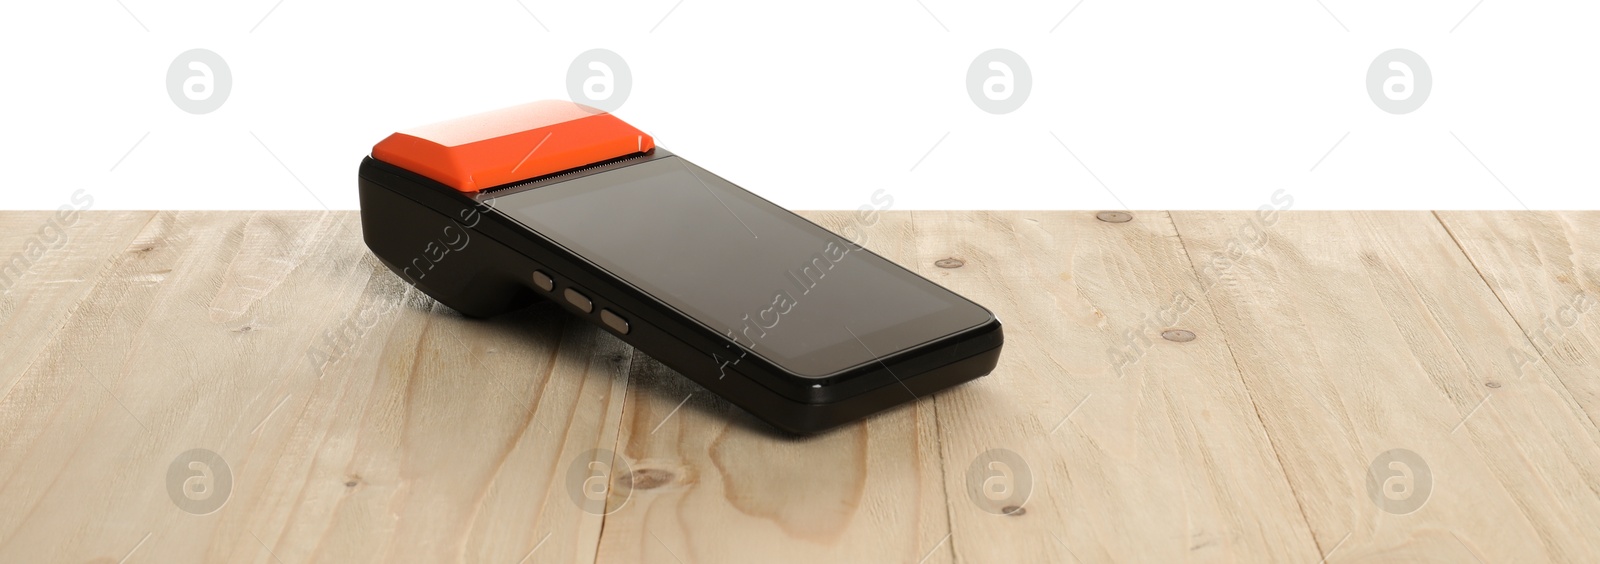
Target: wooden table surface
x=255, y=387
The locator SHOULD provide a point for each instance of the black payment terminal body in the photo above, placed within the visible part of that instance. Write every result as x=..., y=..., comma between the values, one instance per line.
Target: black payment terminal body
x=799, y=326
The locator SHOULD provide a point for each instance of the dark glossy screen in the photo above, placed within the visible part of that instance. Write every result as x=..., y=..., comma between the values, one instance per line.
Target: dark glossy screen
x=795, y=293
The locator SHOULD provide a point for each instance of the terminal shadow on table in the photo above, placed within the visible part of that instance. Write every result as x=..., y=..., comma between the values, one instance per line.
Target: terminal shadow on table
x=546, y=322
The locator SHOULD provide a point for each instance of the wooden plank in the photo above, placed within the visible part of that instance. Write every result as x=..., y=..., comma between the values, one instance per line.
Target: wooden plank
x=48, y=263
x=1139, y=448
x=725, y=487
x=1545, y=268
x=359, y=421
x=1361, y=333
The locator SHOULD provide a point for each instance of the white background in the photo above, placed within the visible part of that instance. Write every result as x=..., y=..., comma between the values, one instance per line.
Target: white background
x=1169, y=105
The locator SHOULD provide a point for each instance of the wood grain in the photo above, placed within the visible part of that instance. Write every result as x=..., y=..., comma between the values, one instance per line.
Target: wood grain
x=1545, y=269
x=361, y=421
x=1361, y=333
x=1141, y=449
x=358, y=419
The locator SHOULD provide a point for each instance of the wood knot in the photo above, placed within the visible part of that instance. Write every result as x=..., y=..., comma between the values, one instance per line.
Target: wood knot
x=1114, y=216
x=1492, y=384
x=648, y=478
x=1178, y=335
x=1014, y=510
x=949, y=263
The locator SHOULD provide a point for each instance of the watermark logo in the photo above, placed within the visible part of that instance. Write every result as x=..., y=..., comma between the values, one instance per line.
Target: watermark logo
x=1399, y=481
x=1399, y=81
x=1248, y=240
x=335, y=342
x=999, y=481
x=50, y=236
x=199, y=81
x=599, y=78
x=199, y=481
x=805, y=278
x=1551, y=331
x=1136, y=341
x=589, y=478
x=999, y=81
